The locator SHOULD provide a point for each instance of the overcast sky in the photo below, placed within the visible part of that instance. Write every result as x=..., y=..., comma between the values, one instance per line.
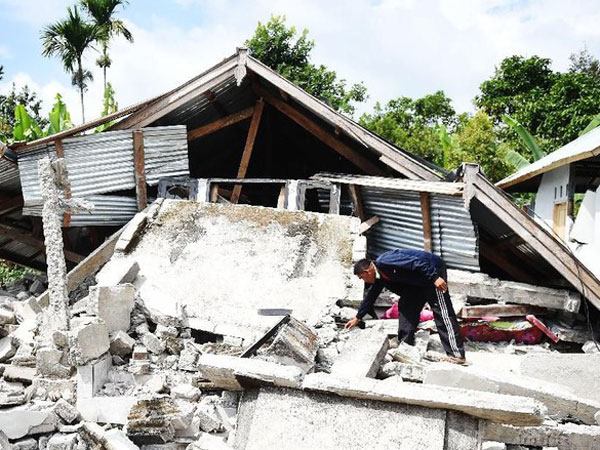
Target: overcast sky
x=396, y=47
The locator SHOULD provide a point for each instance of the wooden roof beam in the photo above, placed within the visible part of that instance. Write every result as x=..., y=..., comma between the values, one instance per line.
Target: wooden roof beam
x=20, y=236
x=219, y=124
x=321, y=133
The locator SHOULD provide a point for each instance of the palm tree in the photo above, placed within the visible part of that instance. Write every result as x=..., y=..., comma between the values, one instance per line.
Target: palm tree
x=69, y=39
x=102, y=13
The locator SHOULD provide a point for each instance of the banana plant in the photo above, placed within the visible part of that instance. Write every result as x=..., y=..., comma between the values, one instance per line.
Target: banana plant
x=593, y=124
x=515, y=158
x=60, y=119
x=27, y=129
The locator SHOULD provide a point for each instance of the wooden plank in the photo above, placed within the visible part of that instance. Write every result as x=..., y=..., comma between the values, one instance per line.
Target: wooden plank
x=426, y=214
x=559, y=219
x=498, y=258
x=319, y=132
x=214, y=193
x=90, y=265
x=554, y=251
x=468, y=312
x=252, y=132
x=565, y=437
x=367, y=225
x=24, y=238
x=357, y=201
x=61, y=154
x=335, y=199
x=220, y=124
x=141, y=192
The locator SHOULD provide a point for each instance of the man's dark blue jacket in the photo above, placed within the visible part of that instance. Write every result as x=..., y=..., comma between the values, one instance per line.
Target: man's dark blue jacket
x=399, y=268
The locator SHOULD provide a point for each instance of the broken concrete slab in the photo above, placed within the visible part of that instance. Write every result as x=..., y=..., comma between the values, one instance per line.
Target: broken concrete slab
x=21, y=421
x=362, y=354
x=112, y=304
x=19, y=373
x=576, y=372
x=304, y=255
x=154, y=421
x=131, y=232
x=153, y=344
x=227, y=371
x=89, y=339
x=562, y=436
x=294, y=344
x=408, y=372
x=67, y=412
x=22, y=444
x=559, y=402
x=8, y=348
x=484, y=405
x=326, y=421
x=208, y=441
x=482, y=286
x=63, y=442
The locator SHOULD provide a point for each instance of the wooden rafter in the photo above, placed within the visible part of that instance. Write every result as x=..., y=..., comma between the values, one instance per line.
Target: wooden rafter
x=426, y=214
x=140, y=171
x=321, y=133
x=24, y=238
x=357, y=201
x=252, y=132
x=220, y=124
x=212, y=98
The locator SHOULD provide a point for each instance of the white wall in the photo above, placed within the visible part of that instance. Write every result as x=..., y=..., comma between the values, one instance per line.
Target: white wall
x=553, y=189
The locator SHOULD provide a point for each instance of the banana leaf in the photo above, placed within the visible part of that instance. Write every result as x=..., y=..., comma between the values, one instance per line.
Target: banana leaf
x=526, y=137
x=593, y=124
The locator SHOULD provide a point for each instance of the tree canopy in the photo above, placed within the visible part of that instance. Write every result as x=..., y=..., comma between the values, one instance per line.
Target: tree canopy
x=279, y=47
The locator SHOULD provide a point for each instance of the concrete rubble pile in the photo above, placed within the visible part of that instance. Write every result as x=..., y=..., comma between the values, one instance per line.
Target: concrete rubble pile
x=159, y=370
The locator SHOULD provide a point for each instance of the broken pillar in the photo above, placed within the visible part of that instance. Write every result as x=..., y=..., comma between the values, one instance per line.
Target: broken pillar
x=362, y=353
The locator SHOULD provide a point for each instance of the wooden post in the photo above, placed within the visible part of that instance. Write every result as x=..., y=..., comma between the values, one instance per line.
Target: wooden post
x=357, y=201
x=335, y=199
x=252, y=132
x=426, y=213
x=214, y=193
x=61, y=154
x=281, y=198
x=140, y=170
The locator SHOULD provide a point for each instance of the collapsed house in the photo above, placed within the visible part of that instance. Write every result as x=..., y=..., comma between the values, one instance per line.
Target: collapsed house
x=198, y=299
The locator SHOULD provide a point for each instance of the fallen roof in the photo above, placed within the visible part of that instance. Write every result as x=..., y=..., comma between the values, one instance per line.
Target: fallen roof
x=586, y=146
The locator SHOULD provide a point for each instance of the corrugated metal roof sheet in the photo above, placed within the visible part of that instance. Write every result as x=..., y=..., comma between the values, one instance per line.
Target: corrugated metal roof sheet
x=9, y=176
x=583, y=147
x=103, y=163
x=400, y=184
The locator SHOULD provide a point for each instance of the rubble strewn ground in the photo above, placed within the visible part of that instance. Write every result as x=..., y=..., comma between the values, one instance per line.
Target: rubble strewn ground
x=145, y=381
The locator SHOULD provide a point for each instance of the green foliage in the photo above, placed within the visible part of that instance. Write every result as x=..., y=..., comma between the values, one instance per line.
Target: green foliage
x=26, y=127
x=277, y=46
x=109, y=106
x=11, y=272
x=526, y=138
x=413, y=124
x=102, y=13
x=9, y=102
x=590, y=126
x=69, y=39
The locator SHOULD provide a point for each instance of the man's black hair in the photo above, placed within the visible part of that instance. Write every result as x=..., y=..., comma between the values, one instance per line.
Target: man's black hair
x=361, y=265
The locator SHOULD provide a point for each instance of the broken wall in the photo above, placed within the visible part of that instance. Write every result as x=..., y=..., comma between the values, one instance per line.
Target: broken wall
x=216, y=267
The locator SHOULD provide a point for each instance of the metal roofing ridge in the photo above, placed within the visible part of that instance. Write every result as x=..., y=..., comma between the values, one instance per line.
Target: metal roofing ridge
x=566, y=154
x=352, y=128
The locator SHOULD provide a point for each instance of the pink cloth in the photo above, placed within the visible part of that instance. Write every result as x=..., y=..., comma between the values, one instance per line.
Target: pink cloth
x=392, y=313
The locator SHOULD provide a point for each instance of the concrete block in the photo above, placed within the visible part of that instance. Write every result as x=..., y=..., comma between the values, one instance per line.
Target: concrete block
x=89, y=339
x=8, y=348
x=121, y=344
x=209, y=442
x=117, y=440
x=186, y=391
x=67, y=412
x=63, y=442
x=113, y=304
x=51, y=362
x=294, y=344
x=224, y=371
x=408, y=372
x=119, y=271
x=484, y=405
x=7, y=317
x=154, y=421
x=188, y=359
x=18, y=373
x=362, y=354
x=153, y=344
x=91, y=377
x=113, y=410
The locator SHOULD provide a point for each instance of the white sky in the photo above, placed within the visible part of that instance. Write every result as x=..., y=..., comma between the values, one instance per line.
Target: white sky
x=396, y=47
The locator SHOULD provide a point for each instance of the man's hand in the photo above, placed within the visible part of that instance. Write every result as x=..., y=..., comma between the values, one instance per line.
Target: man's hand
x=441, y=284
x=352, y=323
